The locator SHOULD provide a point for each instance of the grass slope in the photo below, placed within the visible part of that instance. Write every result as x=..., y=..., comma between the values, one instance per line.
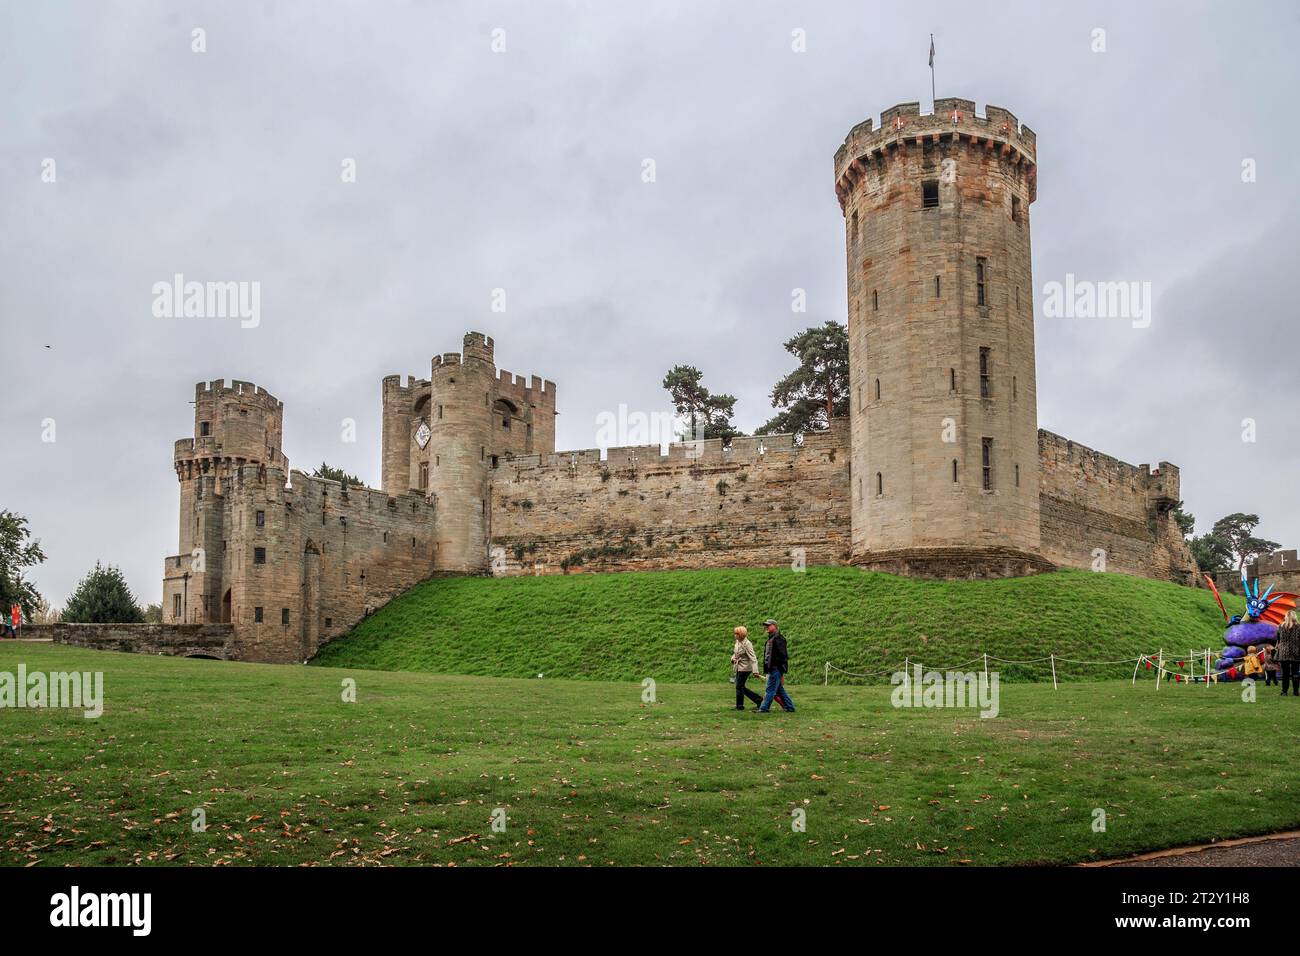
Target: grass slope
x=287, y=773
x=676, y=625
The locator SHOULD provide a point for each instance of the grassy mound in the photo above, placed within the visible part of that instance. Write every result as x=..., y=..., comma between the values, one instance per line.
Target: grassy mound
x=676, y=625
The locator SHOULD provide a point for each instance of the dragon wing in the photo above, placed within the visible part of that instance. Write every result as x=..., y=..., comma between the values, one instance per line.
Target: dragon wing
x=1210, y=581
x=1280, y=603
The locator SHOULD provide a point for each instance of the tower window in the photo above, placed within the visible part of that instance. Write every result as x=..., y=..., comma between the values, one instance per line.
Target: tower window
x=1017, y=476
x=482, y=453
x=880, y=484
x=259, y=555
x=440, y=411
x=257, y=615
x=981, y=272
x=505, y=422
x=954, y=471
x=930, y=194
x=987, y=462
x=1014, y=390
x=1015, y=209
x=261, y=519
x=1017, y=297
x=877, y=389
x=284, y=616
x=176, y=607
x=952, y=380
x=936, y=287
x=986, y=384
x=875, y=301
x=205, y=429
x=424, y=475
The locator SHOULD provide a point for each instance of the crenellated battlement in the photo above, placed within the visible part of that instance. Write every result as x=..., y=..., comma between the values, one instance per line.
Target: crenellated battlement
x=525, y=391
x=748, y=449
x=245, y=391
x=953, y=120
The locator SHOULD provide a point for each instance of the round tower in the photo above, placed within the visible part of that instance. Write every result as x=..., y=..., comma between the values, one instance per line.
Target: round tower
x=943, y=413
x=460, y=422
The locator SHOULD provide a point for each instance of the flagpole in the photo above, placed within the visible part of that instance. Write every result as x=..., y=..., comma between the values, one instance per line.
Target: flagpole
x=932, y=72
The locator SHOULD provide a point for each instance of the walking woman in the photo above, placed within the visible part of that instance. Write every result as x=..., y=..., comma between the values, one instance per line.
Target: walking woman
x=1287, y=652
x=745, y=663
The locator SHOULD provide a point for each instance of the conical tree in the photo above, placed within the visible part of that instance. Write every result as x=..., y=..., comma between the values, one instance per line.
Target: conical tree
x=102, y=597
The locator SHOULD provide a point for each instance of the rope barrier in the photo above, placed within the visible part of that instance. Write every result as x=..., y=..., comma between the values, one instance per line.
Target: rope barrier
x=1154, y=662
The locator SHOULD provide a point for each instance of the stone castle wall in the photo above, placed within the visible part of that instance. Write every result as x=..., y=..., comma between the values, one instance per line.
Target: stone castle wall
x=1092, y=501
x=761, y=502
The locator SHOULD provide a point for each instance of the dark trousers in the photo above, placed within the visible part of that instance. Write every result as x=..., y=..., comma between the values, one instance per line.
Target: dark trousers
x=742, y=691
x=1290, y=675
x=1270, y=677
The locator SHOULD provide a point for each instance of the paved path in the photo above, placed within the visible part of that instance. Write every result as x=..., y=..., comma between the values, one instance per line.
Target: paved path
x=1278, y=849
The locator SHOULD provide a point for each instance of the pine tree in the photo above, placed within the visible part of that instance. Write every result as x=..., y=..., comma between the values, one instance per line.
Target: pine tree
x=102, y=597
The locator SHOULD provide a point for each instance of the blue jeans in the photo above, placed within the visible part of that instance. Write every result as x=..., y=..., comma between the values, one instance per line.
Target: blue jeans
x=775, y=689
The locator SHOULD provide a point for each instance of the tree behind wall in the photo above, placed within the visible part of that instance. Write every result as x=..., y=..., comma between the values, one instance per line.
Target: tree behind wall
x=18, y=552
x=1237, y=530
x=102, y=597
x=816, y=391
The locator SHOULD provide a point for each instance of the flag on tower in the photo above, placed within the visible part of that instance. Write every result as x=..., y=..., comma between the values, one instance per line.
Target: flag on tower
x=931, y=51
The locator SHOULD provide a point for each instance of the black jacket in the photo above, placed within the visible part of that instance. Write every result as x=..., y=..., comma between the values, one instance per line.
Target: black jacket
x=775, y=655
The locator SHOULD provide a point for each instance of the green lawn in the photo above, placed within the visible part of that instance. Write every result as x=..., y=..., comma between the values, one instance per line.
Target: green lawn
x=676, y=625
x=587, y=773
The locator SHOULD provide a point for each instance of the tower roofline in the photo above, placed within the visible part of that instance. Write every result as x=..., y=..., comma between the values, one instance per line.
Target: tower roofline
x=953, y=118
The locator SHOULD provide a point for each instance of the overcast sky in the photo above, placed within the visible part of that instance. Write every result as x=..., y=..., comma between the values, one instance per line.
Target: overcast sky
x=522, y=170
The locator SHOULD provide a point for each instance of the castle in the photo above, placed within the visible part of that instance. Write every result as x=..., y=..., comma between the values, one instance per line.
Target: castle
x=939, y=470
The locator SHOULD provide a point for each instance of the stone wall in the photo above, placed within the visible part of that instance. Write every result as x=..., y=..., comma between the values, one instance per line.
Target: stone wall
x=1092, y=501
x=177, y=640
x=761, y=502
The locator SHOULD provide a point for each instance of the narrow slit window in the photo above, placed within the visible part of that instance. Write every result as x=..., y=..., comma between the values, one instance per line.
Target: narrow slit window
x=987, y=462
x=880, y=483
x=877, y=389
x=952, y=380
x=986, y=382
x=936, y=287
x=954, y=471
x=930, y=194
x=981, y=276
x=875, y=300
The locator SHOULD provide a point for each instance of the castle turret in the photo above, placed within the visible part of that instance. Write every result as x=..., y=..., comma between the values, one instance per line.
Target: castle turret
x=233, y=426
x=460, y=435
x=943, y=417
x=395, y=457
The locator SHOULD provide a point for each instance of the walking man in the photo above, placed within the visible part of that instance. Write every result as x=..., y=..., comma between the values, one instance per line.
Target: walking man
x=776, y=661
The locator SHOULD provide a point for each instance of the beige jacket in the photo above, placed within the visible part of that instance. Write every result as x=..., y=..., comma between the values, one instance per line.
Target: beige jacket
x=743, y=657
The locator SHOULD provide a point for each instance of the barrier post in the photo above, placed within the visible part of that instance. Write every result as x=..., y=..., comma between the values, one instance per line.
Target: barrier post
x=1160, y=667
x=1053, y=671
x=1135, y=668
x=986, y=667
x=826, y=676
